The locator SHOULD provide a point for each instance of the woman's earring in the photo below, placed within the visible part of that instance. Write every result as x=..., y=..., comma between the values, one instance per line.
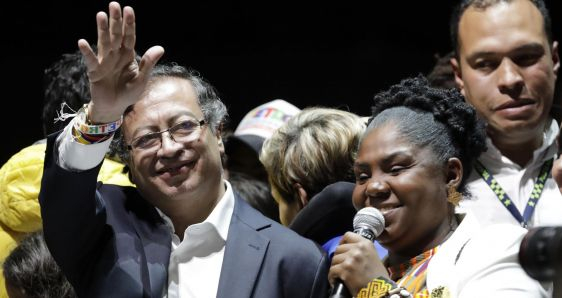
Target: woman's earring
x=453, y=196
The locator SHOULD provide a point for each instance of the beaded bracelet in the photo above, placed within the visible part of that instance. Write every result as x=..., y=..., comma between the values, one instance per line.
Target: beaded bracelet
x=83, y=125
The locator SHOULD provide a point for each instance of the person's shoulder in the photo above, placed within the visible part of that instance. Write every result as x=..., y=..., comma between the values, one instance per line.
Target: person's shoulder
x=115, y=188
x=474, y=245
x=492, y=253
x=490, y=245
x=495, y=239
x=476, y=256
x=329, y=213
x=333, y=200
x=126, y=201
x=340, y=188
x=20, y=179
x=500, y=234
x=29, y=157
x=280, y=238
x=285, y=242
x=119, y=195
x=273, y=230
x=111, y=172
x=22, y=172
x=283, y=233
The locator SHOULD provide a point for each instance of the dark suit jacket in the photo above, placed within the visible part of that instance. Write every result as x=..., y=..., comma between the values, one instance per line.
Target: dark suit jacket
x=111, y=243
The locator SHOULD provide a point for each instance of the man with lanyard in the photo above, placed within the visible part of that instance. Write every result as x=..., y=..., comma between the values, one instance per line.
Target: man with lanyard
x=506, y=65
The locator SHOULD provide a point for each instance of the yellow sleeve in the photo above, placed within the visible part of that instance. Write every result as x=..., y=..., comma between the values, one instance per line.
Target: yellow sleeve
x=112, y=173
x=20, y=179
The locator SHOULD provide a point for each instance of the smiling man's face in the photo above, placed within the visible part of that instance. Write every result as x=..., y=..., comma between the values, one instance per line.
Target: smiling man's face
x=176, y=172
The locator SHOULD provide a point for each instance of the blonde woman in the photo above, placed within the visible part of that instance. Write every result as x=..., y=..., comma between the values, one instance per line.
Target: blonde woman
x=313, y=150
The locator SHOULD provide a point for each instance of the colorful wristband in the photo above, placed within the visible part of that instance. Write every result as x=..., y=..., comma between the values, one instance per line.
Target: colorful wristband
x=83, y=138
x=83, y=125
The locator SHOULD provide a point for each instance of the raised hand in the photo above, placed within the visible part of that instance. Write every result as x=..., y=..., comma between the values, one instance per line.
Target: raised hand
x=356, y=263
x=116, y=79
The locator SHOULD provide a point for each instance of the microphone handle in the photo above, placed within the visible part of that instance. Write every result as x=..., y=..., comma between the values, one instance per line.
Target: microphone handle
x=339, y=290
x=366, y=233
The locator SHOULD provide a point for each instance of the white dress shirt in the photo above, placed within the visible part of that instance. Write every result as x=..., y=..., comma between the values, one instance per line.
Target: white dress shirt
x=79, y=157
x=518, y=183
x=195, y=262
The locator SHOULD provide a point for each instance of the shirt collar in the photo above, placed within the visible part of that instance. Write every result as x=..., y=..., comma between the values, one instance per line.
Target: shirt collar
x=222, y=213
x=220, y=216
x=545, y=151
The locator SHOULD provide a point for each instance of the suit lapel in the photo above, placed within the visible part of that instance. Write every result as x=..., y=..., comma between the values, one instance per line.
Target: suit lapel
x=156, y=242
x=157, y=248
x=244, y=253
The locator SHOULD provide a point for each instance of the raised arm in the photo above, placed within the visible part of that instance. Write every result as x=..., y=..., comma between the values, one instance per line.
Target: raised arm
x=73, y=209
x=116, y=79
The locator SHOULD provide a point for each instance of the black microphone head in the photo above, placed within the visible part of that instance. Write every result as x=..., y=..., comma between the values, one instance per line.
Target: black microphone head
x=540, y=253
x=369, y=218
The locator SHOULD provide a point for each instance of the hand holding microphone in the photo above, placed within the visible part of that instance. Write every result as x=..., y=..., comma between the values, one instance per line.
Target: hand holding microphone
x=356, y=262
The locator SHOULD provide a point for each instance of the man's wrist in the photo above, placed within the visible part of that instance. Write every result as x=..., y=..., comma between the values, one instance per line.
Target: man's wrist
x=96, y=117
x=84, y=132
x=87, y=127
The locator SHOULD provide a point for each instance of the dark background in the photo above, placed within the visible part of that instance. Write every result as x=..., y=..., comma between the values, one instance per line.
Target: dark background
x=336, y=55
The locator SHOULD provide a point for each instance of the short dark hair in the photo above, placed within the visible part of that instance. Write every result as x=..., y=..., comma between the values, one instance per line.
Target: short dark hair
x=433, y=117
x=459, y=10
x=442, y=74
x=214, y=110
x=31, y=268
x=256, y=192
x=66, y=80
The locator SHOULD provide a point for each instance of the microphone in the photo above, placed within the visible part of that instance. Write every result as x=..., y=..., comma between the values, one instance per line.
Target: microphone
x=369, y=223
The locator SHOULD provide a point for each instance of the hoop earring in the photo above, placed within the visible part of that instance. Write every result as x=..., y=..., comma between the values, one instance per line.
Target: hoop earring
x=453, y=196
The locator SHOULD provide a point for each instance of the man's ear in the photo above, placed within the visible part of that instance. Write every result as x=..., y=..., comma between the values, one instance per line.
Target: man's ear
x=220, y=142
x=303, y=196
x=458, y=74
x=129, y=172
x=221, y=145
x=555, y=58
x=454, y=172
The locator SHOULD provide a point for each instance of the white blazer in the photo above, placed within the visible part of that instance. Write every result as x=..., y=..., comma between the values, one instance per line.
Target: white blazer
x=479, y=261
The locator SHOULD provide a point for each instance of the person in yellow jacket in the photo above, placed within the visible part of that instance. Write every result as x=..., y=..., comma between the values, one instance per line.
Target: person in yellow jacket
x=66, y=86
x=20, y=179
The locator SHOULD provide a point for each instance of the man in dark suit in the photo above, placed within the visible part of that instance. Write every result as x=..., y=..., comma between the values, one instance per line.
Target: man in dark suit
x=182, y=231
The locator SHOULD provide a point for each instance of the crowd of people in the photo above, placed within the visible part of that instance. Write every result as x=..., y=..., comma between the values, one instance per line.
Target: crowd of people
x=140, y=188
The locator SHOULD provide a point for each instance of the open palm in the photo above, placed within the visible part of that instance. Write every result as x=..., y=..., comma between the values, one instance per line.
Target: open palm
x=116, y=79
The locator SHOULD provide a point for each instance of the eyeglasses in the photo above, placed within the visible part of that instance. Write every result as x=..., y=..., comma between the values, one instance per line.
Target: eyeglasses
x=184, y=131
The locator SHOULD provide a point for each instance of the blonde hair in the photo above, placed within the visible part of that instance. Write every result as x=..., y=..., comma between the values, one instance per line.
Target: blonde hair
x=315, y=148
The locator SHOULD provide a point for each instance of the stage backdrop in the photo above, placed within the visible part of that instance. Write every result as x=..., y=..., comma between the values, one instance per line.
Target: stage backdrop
x=335, y=55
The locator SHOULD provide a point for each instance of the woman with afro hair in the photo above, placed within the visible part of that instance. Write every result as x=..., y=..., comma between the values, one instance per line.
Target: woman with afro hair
x=413, y=159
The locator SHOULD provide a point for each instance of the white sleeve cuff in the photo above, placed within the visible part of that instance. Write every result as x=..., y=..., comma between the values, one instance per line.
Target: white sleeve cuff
x=75, y=156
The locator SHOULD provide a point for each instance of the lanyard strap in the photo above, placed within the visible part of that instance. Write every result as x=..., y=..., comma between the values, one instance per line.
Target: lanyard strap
x=504, y=198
